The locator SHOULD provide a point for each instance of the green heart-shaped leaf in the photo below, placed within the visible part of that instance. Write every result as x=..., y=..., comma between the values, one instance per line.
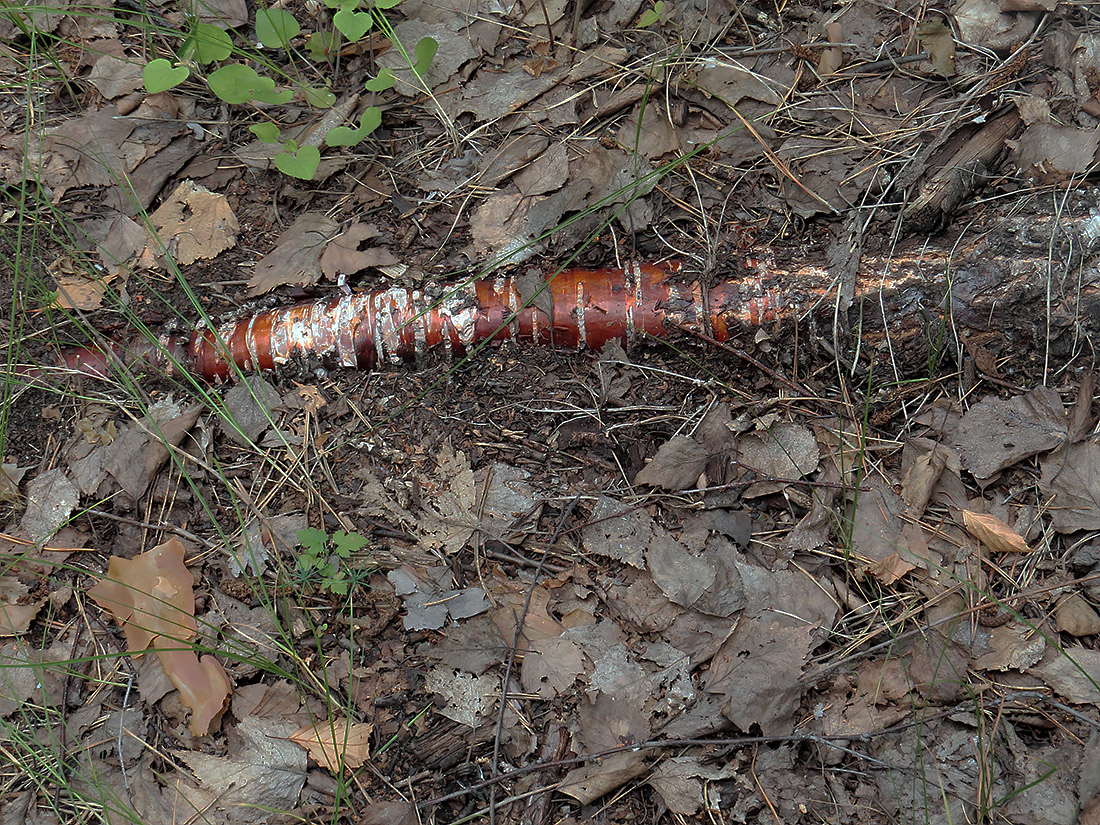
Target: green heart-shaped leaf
x=159, y=76
x=211, y=43
x=385, y=80
x=353, y=24
x=237, y=83
x=319, y=96
x=267, y=132
x=342, y=136
x=370, y=120
x=425, y=53
x=301, y=163
x=275, y=28
x=321, y=45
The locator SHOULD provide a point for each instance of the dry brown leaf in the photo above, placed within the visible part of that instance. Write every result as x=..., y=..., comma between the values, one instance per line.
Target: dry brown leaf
x=203, y=684
x=996, y=433
x=79, y=292
x=889, y=569
x=1071, y=484
x=15, y=615
x=337, y=744
x=344, y=254
x=1053, y=153
x=195, y=223
x=296, y=259
x=994, y=533
x=677, y=465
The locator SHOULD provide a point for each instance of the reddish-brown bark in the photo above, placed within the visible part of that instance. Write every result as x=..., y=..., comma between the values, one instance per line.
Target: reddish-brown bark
x=391, y=326
x=1021, y=295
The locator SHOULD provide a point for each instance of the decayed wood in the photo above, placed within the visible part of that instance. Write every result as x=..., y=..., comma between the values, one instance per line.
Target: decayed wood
x=1028, y=284
x=966, y=162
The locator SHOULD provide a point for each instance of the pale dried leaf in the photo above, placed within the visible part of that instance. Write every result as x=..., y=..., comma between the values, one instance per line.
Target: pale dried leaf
x=679, y=782
x=757, y=673
x=682, y=576
x=547, y=174
x=195, y=223
x=262, y=775
x=619, y=532
x=203, y=684
x=606, y=723
x=890, y=568
x=1071, y=483
x=996, y=433
x=1052, y=153
x=676, y=466
x=16, y=614
x=149, y=595
x=1012, y=646
x=994, y=533
x=589, y=782
x=336, y=745
x=1077, y=617
x=10, y=477
x=345, y=254
x=449, y=524
x=51, y=498
x=135, y=457
x=1073, y=673
x=115, y=77
x=551, y=666
x=468, y=698
x=80, y=292
x=784, y=450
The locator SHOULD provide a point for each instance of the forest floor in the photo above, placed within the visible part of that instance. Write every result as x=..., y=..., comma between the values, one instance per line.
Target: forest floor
x=808, y=576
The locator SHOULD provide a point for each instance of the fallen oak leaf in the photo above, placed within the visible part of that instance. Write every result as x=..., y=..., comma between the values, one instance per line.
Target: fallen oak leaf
x=336, y=744
x=994, y=533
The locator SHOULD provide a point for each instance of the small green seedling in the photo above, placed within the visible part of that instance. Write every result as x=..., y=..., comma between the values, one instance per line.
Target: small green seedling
x=238, y=83
x=323, y=560
x=651, y=16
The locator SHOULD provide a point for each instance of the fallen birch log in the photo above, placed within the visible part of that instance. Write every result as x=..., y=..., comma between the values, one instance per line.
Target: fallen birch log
x=1035, y=295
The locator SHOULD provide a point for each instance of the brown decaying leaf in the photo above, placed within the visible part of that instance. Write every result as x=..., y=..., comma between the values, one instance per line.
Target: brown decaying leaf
x=1071, y=484
x=336, y=744
x=296, y=259
x=889, y=569
x=994, y=533
x=196, y=223
x=16, y=617
x=676, y=466
x=152, y=598
x=996, y=433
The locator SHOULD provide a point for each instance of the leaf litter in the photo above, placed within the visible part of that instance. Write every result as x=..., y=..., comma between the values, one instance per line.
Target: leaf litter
x=731, y=562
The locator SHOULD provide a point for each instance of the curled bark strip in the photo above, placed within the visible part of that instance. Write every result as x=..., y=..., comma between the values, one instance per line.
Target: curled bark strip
x=391, y=326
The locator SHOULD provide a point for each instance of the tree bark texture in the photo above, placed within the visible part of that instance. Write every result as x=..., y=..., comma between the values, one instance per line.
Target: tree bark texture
x=1027, y=288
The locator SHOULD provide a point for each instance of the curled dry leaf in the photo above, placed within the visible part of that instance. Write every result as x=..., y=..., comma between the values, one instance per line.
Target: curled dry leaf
x=152, y=598
x=336, y=744
x=994, y=533
x=16, y=614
